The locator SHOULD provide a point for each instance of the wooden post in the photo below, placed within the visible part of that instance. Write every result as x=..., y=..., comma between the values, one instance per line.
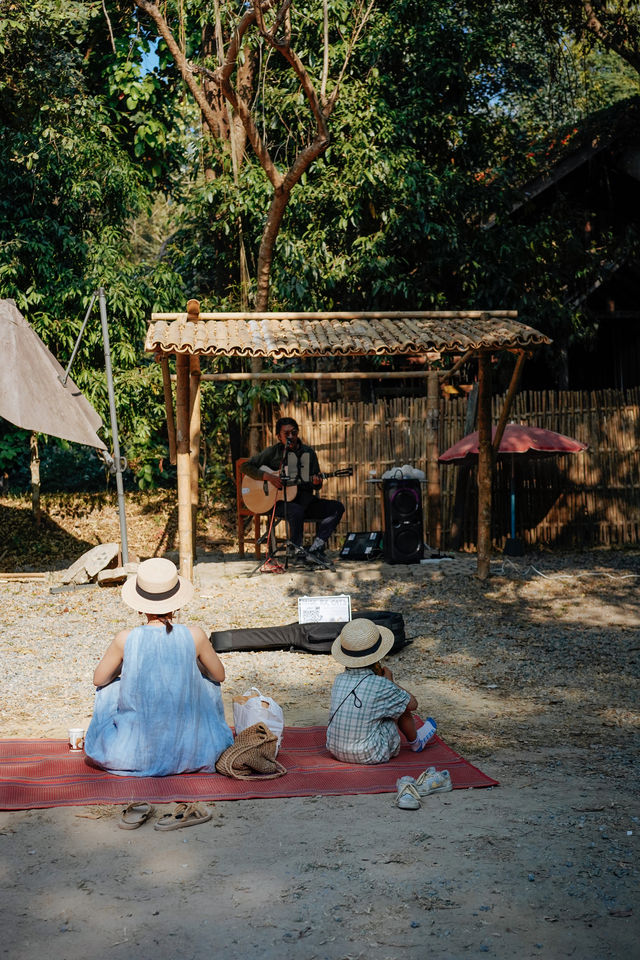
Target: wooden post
x=485, y=466
x=185, y=532
x=434, y=516
x=193, y=315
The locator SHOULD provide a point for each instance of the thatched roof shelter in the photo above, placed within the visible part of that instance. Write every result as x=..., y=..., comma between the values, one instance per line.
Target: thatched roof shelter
x=340, y=334
x=287, y=335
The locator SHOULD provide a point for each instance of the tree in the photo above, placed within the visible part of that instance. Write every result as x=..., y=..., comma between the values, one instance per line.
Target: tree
x=76, y=166
x=274, y=27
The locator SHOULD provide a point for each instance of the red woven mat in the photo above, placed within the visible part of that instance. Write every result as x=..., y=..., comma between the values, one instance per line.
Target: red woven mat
x=45, y=773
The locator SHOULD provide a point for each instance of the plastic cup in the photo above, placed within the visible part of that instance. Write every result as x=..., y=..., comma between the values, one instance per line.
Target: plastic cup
x=76, y=738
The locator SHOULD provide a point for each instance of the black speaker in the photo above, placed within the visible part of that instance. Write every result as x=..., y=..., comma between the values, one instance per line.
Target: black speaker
x=403, y=528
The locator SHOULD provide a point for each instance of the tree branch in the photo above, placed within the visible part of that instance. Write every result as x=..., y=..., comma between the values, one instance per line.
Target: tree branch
x=598, y=29
x=221, y=78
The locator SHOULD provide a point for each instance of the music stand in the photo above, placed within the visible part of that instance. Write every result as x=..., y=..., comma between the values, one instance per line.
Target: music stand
x=271, y=563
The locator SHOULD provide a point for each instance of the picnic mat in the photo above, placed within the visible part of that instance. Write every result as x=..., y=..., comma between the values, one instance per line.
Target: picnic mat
x=45, y=773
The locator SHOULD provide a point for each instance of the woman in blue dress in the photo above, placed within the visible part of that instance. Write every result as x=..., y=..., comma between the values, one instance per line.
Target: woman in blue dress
x=158, y=707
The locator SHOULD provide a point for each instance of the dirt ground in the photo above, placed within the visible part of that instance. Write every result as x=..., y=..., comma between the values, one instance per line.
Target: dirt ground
x=532, y=675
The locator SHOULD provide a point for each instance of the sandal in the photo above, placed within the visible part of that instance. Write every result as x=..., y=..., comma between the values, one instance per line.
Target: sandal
x=134, y=815
x=184, y=815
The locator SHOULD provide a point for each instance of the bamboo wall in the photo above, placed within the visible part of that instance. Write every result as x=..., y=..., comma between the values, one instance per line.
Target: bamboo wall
x=587, y=499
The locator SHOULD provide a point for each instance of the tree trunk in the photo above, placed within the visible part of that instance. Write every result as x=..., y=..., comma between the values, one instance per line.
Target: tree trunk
x=35, y=477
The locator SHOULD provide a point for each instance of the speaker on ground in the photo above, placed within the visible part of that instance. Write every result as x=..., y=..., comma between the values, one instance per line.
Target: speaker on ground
x=403, y=524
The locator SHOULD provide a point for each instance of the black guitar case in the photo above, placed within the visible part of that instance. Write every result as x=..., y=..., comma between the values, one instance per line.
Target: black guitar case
x=307, y=637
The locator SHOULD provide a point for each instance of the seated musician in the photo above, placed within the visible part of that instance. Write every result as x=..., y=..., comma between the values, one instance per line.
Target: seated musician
x=301, y=466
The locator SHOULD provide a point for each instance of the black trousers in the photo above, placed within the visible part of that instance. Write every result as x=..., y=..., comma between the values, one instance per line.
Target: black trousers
x=306, y=506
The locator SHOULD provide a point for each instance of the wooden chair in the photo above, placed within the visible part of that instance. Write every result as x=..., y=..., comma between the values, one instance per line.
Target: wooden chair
x=243, y=513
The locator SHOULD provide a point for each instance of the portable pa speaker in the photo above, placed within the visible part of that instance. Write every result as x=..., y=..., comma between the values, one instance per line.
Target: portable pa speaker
x=403, y=534
x=362, y=546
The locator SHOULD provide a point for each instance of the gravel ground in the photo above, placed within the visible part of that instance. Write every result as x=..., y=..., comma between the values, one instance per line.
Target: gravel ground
x=532, y=675
x=547, y=640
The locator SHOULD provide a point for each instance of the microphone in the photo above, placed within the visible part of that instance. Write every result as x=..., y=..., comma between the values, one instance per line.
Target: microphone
x=290, y=442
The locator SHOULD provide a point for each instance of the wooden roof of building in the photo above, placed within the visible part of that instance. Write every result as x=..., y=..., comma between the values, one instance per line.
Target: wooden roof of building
x=284, y=335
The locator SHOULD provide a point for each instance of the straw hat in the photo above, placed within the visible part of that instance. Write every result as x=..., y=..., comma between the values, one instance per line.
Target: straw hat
x=361, y=643
x=157, y=588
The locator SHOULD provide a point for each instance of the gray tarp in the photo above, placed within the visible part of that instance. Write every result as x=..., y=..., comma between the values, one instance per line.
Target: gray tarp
x=31, y=395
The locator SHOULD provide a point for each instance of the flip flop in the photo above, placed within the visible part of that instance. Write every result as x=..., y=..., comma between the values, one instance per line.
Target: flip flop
x=134, y=815
x=184, y=815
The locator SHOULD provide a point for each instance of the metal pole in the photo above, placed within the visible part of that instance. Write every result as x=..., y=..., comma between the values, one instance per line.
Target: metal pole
x=114, y=426
x=63, y=380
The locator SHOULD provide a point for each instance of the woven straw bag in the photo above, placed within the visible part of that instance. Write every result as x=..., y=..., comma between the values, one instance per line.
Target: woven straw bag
x=252, y=755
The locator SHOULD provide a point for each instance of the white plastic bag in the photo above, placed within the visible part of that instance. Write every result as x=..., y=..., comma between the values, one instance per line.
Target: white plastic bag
x=253, y=707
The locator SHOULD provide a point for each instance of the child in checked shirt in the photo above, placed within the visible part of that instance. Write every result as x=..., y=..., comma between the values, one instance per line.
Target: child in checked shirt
x=368, y=710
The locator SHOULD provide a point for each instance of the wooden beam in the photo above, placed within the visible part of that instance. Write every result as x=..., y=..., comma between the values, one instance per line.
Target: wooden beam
x=347, y=315
x=185, y=545
x=320, y=375
x=485, y=466
x=446, y=374
x=508, y=402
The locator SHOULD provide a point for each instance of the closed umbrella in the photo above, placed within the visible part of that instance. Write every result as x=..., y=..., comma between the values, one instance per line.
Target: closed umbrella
x=31, y=393
x=517, y=440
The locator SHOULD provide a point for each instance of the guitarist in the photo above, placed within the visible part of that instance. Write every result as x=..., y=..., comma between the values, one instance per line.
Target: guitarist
x=301, y=465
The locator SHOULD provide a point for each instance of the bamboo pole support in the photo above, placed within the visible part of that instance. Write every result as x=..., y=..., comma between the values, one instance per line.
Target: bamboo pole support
x=185, y=531
x=168, y=403
x=193, y=314
x=194, y=442
x=508, y=401
x=434, y=517
x=485, y=466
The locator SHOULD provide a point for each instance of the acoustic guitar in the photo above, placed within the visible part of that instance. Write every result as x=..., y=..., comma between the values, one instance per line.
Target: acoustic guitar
x=259, y=495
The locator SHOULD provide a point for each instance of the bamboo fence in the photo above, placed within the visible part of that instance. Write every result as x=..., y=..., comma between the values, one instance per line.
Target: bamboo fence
x=580, y=500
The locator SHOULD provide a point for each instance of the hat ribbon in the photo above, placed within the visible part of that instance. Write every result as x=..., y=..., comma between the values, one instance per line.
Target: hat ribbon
x=363, y=653
x=166, y=595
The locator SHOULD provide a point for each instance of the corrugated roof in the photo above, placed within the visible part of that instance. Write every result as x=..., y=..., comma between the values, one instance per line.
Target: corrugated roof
x=280, y=335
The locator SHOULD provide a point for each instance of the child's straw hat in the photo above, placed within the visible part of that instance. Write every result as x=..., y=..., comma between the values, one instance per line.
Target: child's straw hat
x=361, y=642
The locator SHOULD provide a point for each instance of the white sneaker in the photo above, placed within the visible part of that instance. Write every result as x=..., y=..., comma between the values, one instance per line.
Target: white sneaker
x=407, y=797
x=433, y=782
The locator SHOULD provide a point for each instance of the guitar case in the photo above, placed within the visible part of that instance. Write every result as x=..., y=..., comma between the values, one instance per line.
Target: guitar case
x=307, y=637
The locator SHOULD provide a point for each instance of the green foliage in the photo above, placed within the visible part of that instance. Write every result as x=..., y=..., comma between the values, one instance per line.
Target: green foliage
x=445, y=112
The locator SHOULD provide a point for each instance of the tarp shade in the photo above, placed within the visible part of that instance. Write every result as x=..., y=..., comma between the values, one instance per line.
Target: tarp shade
x=31, y=395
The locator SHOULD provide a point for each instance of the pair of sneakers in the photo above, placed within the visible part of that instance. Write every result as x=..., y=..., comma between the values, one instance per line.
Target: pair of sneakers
x=411, y=791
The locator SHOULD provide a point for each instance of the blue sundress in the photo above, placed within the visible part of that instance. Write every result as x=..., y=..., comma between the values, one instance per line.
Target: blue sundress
x=161, y=716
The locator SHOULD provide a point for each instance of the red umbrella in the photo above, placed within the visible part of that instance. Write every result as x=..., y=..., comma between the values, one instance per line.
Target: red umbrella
x=520, y=440
x=516, y=439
